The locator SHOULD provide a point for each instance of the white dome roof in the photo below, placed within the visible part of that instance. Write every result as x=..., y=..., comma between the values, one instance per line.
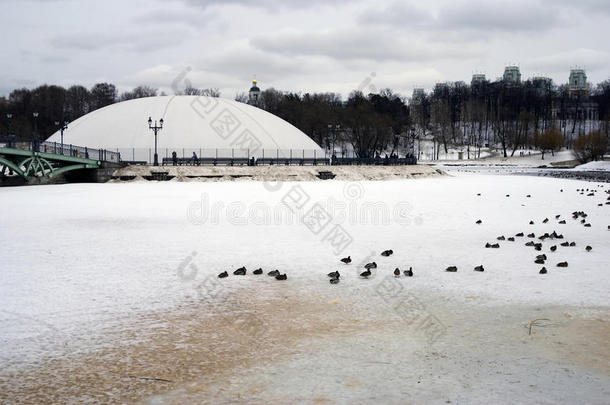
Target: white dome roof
x=190, y=122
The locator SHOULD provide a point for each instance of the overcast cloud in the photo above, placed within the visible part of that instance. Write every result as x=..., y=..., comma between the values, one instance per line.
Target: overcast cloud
x=305, y=46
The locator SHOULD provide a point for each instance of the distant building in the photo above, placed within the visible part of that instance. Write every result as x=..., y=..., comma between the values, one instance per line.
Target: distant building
x=542, y=80
x=477, y=79
x=441, y=88
x=254, y=95
x=418, y=96
x=578, y=108
x=577, y=84
x=512, y=75
x=543, y=85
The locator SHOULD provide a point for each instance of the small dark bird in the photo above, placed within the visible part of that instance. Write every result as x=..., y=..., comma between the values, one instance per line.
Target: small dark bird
x=562, y=222
x=479, y=222
x=539, y=261
x=281, y=277
x=542, y=257
x=531, y=222
x=538, y=246
x=528, y=196
x=572, y=244
x=409, y=273
x=501, y=237
x=479, y=268
x=545, y=220
x=258, y=271
x=396, y=272
x=495, y=246
x=553, y=248
x=561, y=190
x=511, y=239
x=365, y=274
x=240, y=272
x=223, y=274
x=334, y=274
x=520, y=234
x=588, y=248
x=487, y=245
x=557, y=216
x=371, y=265
x=478, y=194
x=387, y=253
x=562, y=264
x=274, y=273
x=508, y=195
x=587, y=225
x=531, y=235
x=347, y=260
x=334, y=280
x=564, y=244
x=542, y=271
x=530, y=243
x=451, y=269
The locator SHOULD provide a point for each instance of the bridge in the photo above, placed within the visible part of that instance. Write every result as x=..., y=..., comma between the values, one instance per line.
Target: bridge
x=50, y=159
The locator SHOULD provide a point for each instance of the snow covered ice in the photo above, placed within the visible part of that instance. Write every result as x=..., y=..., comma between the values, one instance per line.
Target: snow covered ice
x=109, y=293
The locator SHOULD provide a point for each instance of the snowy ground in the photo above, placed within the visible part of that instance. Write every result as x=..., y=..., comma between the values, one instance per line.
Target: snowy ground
x=109, y=293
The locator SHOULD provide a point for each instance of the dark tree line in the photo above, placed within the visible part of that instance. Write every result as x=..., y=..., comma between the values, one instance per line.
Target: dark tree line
x=366, y=124
x=53, y=104
x=58, y=104
x=508, y=116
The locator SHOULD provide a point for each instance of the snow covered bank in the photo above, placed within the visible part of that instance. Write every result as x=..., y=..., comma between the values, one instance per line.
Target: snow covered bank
x=106, y=284
x=595, y=166
x=277, y=173
x=530, y=159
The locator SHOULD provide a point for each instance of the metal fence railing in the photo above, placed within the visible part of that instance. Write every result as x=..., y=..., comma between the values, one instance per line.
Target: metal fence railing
x=56, y=148
x=208, y=156
x=219, y=155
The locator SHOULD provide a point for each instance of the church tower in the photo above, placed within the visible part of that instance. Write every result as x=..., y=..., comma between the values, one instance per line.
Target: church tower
x=254, y=94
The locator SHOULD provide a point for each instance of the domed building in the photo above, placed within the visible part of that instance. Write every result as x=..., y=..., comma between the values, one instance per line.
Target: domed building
x=207, y=126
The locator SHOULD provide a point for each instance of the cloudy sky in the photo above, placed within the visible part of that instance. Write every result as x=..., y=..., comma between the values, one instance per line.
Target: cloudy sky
x=306, y=46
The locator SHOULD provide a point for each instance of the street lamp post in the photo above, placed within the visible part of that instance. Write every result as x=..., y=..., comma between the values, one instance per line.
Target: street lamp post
x=63, y=127
x=334, y=129
x=155, y=128
x=9, y=116
x=35, y=141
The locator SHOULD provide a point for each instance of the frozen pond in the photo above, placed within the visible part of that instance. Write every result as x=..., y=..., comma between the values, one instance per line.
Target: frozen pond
x=109, y=292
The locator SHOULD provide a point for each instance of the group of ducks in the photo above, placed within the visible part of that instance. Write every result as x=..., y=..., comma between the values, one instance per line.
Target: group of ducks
x=242, y=272
x=541, y=259
x=591, y=193
x=335, y=275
